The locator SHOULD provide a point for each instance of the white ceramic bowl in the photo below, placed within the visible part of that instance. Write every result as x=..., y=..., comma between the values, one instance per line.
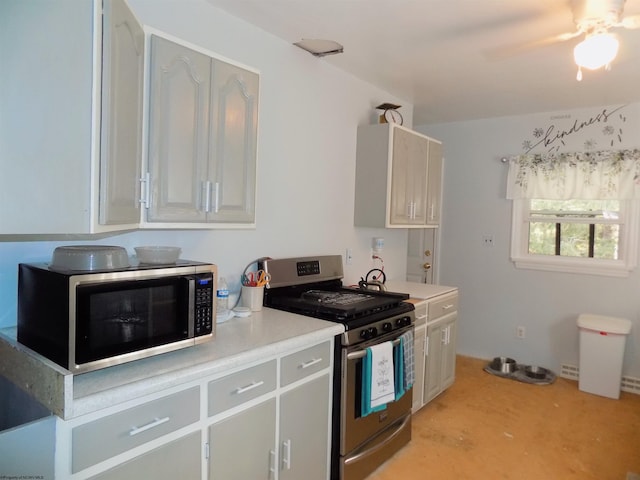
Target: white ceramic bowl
x=157, y=255
x=89, y=258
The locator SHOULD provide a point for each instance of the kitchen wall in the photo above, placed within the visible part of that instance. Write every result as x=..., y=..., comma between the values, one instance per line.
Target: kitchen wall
x=309, y=113
x=495, y=296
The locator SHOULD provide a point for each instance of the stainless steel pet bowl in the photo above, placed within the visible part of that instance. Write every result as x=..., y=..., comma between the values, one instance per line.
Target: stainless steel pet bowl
x=503, y=365
x=533, y=371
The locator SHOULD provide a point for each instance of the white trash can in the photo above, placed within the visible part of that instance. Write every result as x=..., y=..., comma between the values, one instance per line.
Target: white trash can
x=602, y=341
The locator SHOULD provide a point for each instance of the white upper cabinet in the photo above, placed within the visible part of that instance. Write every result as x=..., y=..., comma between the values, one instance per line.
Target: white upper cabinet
x=203, y=117
x=73, y=98
x=46, y=115
x=398, y=178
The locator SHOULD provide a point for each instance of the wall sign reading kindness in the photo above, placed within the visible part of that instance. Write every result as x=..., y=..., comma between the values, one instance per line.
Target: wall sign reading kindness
x=603, y=128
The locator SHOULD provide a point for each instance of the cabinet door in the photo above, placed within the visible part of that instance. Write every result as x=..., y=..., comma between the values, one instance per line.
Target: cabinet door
x=304, y=431
x=409, y=178
x=420, y=336
x=449, y=354
x=242, y=447
x=179, y=459
x=233, y=139
x=121, y=136
x=178, y=132
x=433, y=365
x=434, y=183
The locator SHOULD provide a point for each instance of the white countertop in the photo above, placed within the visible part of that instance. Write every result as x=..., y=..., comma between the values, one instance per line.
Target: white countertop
x=420, y=291
x=238, y=341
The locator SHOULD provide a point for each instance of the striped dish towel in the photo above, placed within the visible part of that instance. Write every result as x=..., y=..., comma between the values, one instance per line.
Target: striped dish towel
x=409, y=359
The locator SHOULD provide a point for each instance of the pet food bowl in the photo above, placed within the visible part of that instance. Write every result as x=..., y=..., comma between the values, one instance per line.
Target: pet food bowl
x=157, y=255
x=533, y=371
x=503, y=365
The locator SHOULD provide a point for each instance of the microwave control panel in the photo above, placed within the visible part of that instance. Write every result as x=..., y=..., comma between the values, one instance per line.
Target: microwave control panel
x=203, y=304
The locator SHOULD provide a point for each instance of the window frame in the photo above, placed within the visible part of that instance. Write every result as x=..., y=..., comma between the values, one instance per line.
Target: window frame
x=628, y=245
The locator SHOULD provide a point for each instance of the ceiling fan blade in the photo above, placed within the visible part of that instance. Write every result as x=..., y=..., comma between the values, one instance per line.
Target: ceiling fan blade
x=500, y=53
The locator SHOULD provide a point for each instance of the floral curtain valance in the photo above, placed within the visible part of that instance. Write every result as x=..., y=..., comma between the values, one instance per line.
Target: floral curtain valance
x=600, y=175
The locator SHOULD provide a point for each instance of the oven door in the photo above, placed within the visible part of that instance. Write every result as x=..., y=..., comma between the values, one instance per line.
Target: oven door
x=357, y=430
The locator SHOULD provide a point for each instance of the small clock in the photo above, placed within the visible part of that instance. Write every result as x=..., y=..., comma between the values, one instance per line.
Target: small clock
x=390, y=113
x=393, y=116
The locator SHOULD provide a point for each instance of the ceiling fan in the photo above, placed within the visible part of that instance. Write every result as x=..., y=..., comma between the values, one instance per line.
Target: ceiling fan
x=593, y=19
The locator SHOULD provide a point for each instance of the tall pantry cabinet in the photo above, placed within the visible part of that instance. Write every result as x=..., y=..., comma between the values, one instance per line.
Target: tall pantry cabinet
x=398, y=178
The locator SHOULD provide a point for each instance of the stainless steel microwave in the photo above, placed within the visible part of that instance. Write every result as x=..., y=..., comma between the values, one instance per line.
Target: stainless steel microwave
x=85, y=321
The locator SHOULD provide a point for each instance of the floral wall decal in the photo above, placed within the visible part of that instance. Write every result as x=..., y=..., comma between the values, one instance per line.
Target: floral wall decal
x=603, y=129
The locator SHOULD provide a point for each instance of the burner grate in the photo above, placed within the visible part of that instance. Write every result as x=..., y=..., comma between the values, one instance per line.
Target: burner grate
x=335, y=298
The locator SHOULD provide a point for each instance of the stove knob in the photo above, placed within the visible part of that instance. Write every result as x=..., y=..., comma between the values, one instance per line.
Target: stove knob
x=365, y=335
x=387, y=327
x=373, y=331
x=399, y=322
x=407, y=321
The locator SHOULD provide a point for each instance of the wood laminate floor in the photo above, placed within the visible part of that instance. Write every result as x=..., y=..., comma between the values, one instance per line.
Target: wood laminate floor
x=487, y=428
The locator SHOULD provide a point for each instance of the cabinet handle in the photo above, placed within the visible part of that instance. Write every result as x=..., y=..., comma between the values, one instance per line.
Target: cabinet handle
x=217, y=204
x=286, y=455
x=253, y=385
x=155, y=423
x=145, y=190
x=432, y=212
x=207, y=196
x=447, y=307
x=310, y=363
x=443, y=336
x=426, y=346
x=272, y=464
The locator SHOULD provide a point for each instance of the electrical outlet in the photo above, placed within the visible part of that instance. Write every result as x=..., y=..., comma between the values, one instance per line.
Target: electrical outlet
x=487, y=240
x=521, y=332
x=348, y=258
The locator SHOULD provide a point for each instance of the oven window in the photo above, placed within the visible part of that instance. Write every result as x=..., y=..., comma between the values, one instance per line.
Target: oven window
x=117, y=318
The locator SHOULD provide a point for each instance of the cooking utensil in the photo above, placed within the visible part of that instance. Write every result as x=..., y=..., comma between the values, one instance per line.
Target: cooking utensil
x=89, y=258
x=157, y=255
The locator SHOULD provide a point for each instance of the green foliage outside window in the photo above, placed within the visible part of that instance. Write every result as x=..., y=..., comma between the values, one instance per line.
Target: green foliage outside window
x=568, y=222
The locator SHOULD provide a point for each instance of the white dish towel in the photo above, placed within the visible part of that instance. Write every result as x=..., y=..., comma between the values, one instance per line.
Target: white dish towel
x=382, y=378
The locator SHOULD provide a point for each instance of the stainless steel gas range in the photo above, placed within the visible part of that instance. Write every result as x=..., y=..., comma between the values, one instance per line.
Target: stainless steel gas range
x=312, y=286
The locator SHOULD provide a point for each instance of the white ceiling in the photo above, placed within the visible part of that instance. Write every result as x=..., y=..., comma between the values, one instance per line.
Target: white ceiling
x=437, y=54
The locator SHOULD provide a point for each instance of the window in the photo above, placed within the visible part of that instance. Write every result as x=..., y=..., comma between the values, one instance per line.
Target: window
x=575, y=212
x=579, y=236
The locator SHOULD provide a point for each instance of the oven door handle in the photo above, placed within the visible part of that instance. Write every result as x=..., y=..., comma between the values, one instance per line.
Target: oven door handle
x=363, y=353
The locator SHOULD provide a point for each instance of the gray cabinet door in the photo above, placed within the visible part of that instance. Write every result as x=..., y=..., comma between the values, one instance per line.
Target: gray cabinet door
x=419, y=351
x=121, y=135
x=434, y=184
x=180, y=83
x=409, y=178
x=232, y=154
x=181, y=459
x=304, y=430
x=449, y=354
x=433, y=365
x=243, y=446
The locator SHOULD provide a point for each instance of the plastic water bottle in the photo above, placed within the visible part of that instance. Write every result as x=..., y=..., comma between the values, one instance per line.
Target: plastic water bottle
x=222, y=296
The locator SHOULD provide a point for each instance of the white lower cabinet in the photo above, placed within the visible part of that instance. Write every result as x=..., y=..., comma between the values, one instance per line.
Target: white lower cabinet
x=270, y=420
x=434, y=347
x=285, y=437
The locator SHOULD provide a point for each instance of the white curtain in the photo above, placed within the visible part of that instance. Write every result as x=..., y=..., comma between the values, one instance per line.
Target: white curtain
x=604, y=175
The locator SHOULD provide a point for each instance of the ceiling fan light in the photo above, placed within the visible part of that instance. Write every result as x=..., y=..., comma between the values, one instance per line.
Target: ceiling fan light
x=596, y=51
